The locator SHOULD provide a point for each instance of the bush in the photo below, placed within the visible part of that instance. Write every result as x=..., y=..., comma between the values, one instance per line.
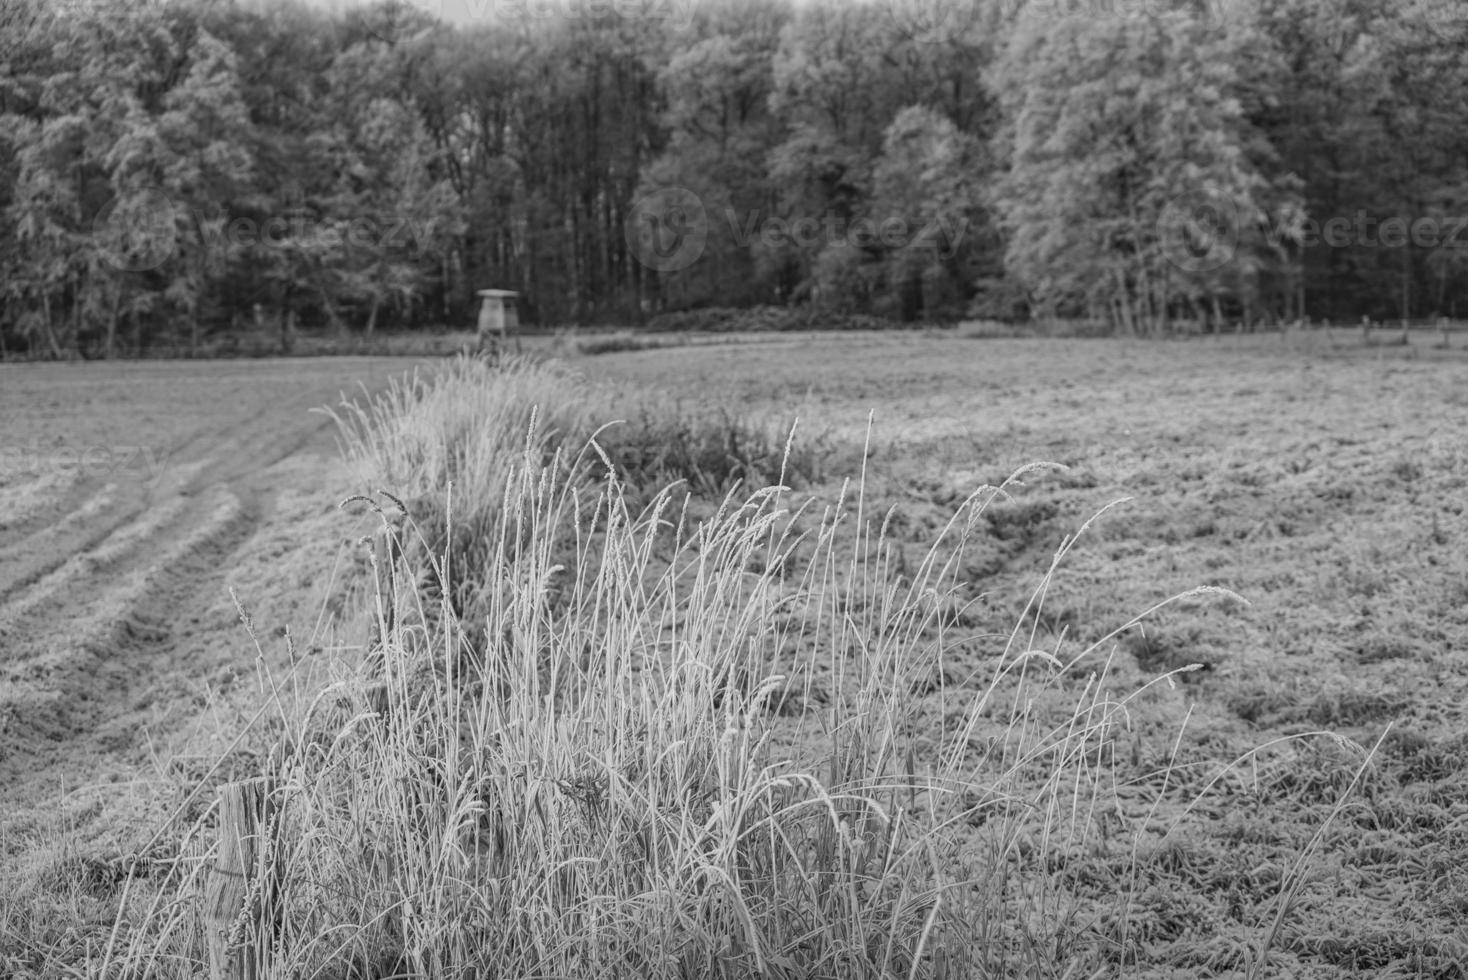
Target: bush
x=762, y=319
x=447, y=445
x=610, y=343
x=711, y=450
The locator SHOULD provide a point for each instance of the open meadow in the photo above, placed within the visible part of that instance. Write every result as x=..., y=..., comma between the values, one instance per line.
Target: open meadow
x=1325, y=483
x=1190, y=702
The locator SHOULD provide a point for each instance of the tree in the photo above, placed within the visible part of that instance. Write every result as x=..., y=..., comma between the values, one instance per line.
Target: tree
x=928, y=182
x=203, y=166
x=166, y=166
x=716, y=86
x=1125, y=131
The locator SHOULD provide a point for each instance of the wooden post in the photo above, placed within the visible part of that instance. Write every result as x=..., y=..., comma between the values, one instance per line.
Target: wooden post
x=385, y=554
x=240, y=890
x=387, y=551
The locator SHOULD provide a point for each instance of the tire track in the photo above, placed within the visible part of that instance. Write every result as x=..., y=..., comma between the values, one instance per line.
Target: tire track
x=73, y=672
x=30, y=558
x=100, y=583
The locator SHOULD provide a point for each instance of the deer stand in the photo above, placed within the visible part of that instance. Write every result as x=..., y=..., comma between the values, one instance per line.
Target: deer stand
x=499, y=320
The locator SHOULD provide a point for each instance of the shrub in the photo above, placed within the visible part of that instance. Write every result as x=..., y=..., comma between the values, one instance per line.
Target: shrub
x=711, y=450
x=761, y=319
x=612, y=343
x=446, y=444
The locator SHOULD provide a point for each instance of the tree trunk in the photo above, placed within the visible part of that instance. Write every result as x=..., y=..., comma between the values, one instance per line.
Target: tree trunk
x=1300, y=286
x=76, y=314
x=46, y=323
x=112, y=320
x=447, y=285
x=372, y=317
x=1406, y=289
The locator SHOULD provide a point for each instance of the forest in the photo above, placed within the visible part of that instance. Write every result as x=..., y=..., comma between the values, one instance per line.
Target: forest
x=177, y=171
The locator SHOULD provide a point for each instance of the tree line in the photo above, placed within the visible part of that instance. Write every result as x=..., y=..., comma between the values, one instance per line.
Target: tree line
x=174, y=170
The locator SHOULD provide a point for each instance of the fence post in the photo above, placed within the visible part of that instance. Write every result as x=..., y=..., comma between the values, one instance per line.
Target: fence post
x=385, y=553
x=240, y=890
x=386, y=546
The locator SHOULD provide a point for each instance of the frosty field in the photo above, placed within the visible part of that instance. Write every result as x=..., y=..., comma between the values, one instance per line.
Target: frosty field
x=1322, y=482
x=1326, y=485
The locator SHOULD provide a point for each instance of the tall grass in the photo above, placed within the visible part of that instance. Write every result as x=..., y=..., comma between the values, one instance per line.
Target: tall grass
x=659, y=747
x=446, y=445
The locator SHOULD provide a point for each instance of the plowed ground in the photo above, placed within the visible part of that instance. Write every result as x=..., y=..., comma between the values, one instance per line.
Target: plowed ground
x=133, y=497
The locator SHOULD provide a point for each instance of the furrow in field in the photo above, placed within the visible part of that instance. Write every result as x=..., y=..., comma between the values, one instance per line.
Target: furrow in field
x=26, y=502
x=24, y=561
x=49, y=594
x=90, y=628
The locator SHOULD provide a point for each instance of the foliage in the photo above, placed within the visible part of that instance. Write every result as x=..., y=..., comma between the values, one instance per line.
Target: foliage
x=447, y=445
x=761, y=319
x=1115, y=119
x=182, y=168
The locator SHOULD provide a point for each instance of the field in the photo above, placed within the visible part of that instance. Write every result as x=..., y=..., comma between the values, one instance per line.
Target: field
x=1295, y=805
x=132, y=498
x=1323, y=484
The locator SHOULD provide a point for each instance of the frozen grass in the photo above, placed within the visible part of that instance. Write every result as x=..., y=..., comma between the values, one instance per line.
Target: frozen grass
x=447, y=443
x=654, y=746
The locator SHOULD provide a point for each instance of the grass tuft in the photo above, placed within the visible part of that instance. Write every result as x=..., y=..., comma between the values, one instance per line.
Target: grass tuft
x=597, y=735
